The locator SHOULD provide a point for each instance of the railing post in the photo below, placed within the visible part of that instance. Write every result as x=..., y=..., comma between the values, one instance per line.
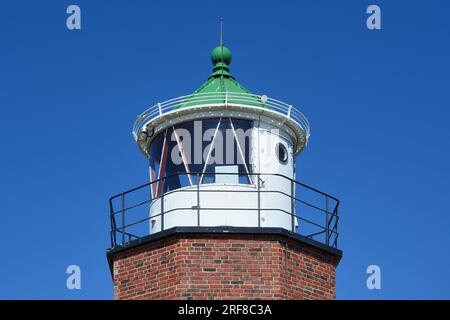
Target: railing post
x=112, y=219
x=289, y=111
x=112, y=232
x=336, y=234
x=159, y=108
x=123, y=219
x=198, y=199
x=259, y=199
x=327, y=226
x=162, y=209
x=293, y=205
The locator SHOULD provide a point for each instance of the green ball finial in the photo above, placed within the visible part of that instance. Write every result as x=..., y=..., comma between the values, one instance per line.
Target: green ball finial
x=221, y=54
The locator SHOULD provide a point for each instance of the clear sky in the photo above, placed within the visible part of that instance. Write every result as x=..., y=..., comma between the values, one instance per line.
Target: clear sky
x=378, y=102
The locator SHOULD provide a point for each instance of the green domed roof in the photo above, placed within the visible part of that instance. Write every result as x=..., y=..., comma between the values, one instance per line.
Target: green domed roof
x=220, y=81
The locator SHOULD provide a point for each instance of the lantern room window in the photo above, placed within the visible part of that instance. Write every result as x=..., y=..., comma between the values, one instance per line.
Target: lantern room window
x=207, y=151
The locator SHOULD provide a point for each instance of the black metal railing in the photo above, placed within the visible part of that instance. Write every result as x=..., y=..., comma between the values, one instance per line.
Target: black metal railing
x=313, y=213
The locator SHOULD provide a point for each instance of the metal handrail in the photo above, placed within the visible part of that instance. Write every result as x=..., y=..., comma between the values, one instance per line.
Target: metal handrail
x=224, y=173
x=197, y=100
x=330, y=214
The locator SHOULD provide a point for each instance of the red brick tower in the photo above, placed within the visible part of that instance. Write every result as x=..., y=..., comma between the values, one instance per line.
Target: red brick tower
x=223, y=216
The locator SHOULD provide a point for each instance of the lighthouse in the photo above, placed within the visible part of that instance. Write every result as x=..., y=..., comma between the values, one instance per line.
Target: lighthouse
x=222, y=215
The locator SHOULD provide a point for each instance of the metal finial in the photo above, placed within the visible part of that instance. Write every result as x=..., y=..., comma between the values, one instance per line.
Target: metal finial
x=221, y=31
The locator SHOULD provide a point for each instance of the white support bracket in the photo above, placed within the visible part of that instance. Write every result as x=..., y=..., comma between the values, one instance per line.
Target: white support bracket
x=289, y=111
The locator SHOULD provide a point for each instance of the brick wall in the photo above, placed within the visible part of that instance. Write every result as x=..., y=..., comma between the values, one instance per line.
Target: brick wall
x=218, y=266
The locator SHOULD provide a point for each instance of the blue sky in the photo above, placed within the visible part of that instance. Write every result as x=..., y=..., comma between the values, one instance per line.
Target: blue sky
x=378, y=103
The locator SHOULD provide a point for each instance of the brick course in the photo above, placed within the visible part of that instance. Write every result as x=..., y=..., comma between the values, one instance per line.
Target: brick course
x=224, y=266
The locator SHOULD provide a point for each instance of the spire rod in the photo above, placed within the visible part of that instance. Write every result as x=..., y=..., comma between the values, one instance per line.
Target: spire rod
x=221, y=32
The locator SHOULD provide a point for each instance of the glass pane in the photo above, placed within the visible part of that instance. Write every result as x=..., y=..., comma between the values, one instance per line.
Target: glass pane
x=166, y=159
x=243, y=131
x=175, y=170
x=155, y=161
x=226, y=152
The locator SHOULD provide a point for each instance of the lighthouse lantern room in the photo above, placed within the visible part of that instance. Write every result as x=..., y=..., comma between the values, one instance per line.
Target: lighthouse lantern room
x=213, y=155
